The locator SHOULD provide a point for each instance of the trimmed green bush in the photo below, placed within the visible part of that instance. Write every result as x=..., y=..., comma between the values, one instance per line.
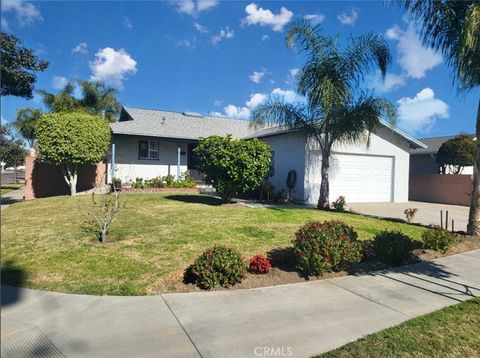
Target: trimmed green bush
x=438, y=240
x=218, y=266
x=328, y=246
x=393, y=248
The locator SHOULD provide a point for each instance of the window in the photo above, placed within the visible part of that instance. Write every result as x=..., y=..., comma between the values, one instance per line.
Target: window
x=148, y=149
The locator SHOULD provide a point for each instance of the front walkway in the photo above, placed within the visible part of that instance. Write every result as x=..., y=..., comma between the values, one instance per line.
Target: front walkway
x=302, y=319
x=427, y=214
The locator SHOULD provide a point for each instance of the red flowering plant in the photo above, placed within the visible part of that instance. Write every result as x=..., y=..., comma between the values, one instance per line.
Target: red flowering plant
x=259, y=264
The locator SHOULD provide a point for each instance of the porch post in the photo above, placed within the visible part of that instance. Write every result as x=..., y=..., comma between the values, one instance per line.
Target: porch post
x=178, y=161
x=112, y=167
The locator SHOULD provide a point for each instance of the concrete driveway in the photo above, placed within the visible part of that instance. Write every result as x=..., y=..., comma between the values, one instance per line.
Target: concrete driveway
x=427, y=214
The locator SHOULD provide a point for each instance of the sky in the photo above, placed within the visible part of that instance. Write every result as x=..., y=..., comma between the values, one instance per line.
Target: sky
x=226, y=57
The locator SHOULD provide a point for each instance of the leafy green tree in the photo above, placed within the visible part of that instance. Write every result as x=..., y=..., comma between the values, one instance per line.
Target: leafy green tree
x=456, y=153
x=336, y=110
x=25, y=123
x=18, y=67
x=96, y=98
x=11, y=149
x=72, y=139
x=453, y=28
x=233, y=166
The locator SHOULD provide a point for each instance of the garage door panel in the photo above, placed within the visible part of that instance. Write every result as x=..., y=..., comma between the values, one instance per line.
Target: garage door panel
x=360, y=178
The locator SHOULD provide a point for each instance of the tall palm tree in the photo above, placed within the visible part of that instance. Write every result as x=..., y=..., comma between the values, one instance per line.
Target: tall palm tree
x=453, y=28
x=25, y=123
x=336, y=110
x=96, y=98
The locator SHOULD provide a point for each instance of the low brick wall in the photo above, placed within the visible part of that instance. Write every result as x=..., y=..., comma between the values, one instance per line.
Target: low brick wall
x=43, y=179
x=441, y=188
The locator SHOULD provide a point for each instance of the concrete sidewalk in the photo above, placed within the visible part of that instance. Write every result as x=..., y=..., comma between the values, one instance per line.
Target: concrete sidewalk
x=299, y=320
x=11, y=197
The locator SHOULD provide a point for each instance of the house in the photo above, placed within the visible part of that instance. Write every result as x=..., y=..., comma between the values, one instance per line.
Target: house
x=150, y=143
x=423, y=160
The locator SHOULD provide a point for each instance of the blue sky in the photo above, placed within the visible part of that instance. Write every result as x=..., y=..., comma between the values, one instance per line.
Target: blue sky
x=225, y=57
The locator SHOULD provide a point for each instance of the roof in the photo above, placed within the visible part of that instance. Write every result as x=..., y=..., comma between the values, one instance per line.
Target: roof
x=433, y=144
x=187, y=125
x=155, y=123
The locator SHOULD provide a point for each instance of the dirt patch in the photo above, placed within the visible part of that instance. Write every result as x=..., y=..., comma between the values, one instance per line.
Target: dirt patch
x=284, y=272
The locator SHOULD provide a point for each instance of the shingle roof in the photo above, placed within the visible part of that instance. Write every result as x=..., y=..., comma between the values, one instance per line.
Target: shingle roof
x=433, y=144
x=167, y=124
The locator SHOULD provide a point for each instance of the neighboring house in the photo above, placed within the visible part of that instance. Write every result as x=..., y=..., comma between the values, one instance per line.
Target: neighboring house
x=423, y=160
x=150, y=143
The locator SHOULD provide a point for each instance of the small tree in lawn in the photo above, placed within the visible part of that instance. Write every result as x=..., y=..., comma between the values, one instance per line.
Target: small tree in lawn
x=72, y=139
x=456, y=153
x=233, y=166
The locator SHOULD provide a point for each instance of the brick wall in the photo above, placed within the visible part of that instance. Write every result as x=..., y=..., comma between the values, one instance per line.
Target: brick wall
x=43, y=179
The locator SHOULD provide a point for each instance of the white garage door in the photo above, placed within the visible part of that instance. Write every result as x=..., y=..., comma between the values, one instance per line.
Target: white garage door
x=360, y=178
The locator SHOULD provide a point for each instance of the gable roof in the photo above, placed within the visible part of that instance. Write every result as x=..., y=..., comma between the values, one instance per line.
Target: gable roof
x=167, y=124
x=433, y=144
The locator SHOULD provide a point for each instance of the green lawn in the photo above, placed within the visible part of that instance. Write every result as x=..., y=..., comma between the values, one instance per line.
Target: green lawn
x=450, y=332
x=156, y=236
x=9, y=187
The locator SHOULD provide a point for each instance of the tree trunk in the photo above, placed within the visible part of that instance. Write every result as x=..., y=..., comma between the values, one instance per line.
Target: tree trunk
x=323, y=201
x=103, y=236
x=473, y=227
x=73, y=183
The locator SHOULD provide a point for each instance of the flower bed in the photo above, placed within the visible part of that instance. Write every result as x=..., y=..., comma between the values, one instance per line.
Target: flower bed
x=159, y=190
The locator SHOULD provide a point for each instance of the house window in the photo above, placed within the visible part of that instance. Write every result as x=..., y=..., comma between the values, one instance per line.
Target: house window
x=148, y=149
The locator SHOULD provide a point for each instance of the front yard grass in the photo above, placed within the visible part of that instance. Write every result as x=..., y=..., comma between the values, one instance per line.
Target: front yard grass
x=450, y=332
x=46, y=245
x=6, y=188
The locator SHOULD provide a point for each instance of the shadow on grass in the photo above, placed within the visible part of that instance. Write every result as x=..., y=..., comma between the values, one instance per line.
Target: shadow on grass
x=15, y=278
x=195, y=199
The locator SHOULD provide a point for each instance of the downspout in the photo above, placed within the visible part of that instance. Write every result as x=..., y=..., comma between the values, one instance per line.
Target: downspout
x=112, y=166
x=178, y=161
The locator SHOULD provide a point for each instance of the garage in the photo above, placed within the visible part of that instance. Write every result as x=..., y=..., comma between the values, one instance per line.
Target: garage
x=357, y=177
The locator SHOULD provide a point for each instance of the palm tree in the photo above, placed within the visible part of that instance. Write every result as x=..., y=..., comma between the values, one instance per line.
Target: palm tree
x=453, y=28
x=96, y=98
x=336, y=111
x=25, y=123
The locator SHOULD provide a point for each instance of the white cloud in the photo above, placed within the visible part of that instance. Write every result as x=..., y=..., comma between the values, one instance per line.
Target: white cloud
x=194, y=7
x=315, y=19
x=25, y=12
x=112, y=66
x=390, y=83
x=415, y=59
x=264, y=17
x=225, y=33
x=292, y=76
x=218, y=102
x=200, y=28
x=348, y=19
x=4, y=24
x=256, y=76
x=59, y=82
x=418, y=114
x=265, y=37
x=243, y=112
x=187, y=42
x=80, y=48
x=127, y=22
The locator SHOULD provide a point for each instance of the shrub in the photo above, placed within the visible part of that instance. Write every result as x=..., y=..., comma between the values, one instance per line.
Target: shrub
x=138, y=183
x=437, y=239
x=328, y=246
x=393, y=248
x=410, y=214
x=339, y=204
x=368, y=252
x=233, y=166
x=218, y=266
x=259, y=264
